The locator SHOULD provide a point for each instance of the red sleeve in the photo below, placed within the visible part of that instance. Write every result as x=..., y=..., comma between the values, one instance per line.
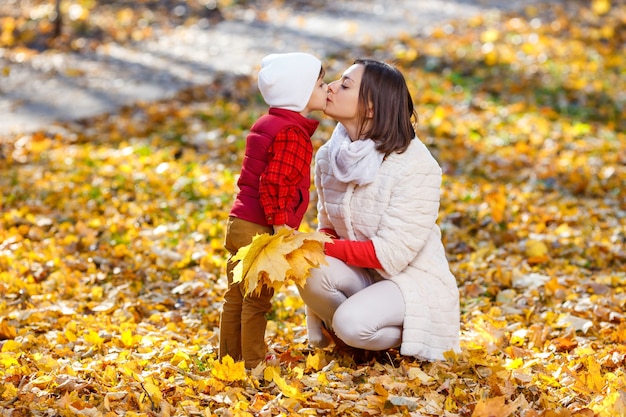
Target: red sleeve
x=329, y=232
x=352, y=252
x=289, y=159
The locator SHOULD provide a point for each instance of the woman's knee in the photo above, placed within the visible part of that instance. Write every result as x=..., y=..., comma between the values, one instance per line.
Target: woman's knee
x=349, y=328
x=313, y=287
x=322, y=280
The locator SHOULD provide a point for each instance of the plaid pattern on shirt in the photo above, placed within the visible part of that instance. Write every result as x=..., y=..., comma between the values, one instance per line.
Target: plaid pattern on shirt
x=289, y=160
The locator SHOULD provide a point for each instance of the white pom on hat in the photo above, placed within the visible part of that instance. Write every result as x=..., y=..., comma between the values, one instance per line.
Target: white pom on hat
x=287, y=80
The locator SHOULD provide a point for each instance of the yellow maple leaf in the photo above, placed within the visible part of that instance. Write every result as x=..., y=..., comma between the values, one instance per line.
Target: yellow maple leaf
x=272, y=373
x=153, y=391
x=614, y=404
x=310, y=254
x=288, y=390
x=536, y=248
x=181, y=359
x=380, y=390
x=93, y=338
x=229, y=370
x=496, y=407
x=7, y=360
x=416, y=374
x=6, y=330
x=248, y=254
x=262, y=261
x=8, y=391
x=269, y=372
x=593, y=378
x=300, y=267
x=497, y=200
x=70, y=331
x=127, y=338
x=11, y=346
x=322, y=379
x=314, y=362
x=271, y=260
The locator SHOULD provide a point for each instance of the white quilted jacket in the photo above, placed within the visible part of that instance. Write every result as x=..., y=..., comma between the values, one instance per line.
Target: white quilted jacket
x=398, y=212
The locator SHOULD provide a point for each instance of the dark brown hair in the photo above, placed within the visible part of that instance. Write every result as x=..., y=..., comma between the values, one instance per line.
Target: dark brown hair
x=385, y=88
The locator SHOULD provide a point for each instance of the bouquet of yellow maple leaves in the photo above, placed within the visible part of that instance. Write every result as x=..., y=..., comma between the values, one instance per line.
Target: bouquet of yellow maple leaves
x=273, y=260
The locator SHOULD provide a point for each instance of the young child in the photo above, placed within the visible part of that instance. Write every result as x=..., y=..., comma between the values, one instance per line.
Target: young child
x=273, y=188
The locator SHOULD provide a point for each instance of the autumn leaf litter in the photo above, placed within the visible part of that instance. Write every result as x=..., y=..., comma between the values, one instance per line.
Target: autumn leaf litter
x=112, y=264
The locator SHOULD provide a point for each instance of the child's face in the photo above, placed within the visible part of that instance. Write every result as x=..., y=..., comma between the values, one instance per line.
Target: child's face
x=318, y=96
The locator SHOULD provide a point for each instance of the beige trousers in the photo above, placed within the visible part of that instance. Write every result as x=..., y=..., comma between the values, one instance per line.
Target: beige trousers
x=363, y=309
x=243, y=321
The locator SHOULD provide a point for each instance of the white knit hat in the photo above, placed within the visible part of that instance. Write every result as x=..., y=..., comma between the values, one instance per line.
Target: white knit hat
x=287, y=80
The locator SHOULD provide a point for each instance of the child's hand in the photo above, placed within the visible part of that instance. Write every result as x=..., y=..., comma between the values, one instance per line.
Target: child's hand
x=278, y=227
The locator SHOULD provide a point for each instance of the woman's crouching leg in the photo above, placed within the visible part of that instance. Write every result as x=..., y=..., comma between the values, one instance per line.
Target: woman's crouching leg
x=372, y=318
x=331, y=285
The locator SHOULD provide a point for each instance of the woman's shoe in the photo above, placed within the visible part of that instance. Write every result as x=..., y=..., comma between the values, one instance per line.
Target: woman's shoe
x=315, y=330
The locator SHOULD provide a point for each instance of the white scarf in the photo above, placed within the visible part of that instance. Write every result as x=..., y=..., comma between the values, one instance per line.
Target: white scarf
x=356, y=161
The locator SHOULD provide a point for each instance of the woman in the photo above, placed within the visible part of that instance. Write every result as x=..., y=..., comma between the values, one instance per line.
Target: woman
x=387, y=283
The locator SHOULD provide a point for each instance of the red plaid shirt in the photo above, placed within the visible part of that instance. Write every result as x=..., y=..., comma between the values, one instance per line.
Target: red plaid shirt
x=289, y=160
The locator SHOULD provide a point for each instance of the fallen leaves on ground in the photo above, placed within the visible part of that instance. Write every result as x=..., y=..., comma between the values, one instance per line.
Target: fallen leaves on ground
x=112, y=260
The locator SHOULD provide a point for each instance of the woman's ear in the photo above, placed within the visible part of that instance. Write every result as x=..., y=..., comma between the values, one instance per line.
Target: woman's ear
x=370, y=112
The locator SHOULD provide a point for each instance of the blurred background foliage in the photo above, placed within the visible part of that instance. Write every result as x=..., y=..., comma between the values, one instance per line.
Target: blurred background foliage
x=79, y=24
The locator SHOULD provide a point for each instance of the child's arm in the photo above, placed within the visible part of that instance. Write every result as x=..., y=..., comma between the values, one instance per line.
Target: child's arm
x=289, y=159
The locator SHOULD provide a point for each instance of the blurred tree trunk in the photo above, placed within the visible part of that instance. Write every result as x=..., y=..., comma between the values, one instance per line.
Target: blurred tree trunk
x=58, y=21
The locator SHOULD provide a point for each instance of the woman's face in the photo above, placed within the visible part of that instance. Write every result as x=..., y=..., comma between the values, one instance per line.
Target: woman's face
x=343, y=96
